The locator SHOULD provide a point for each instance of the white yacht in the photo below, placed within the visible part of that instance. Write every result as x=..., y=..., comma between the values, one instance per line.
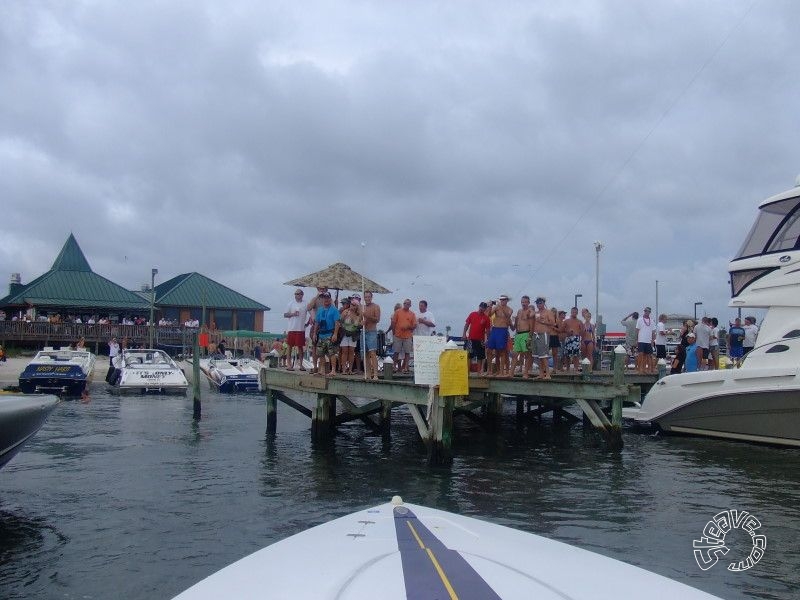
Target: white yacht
x=398, y=551
x=64, y=372
x=146, y=371
x=229, y=374
x=759, y=402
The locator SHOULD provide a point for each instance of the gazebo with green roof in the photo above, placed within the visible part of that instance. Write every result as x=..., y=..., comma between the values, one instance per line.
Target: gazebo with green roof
x=71, y=287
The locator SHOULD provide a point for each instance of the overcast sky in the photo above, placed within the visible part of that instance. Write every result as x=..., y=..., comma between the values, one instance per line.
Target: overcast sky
x=476, y=148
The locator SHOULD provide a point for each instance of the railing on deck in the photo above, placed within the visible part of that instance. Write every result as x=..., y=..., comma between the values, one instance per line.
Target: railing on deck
x=62, y=334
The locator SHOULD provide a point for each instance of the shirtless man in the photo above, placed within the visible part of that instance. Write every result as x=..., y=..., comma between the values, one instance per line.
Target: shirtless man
x=544, y=324
x=573, y=334
x=372, y=314
x=498, y=336
x=523, y=321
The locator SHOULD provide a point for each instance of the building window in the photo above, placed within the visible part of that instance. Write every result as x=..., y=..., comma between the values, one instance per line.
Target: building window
x=246, y=320
x=223, y=318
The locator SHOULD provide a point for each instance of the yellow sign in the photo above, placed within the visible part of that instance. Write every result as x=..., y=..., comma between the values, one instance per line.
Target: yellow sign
x=454, y=373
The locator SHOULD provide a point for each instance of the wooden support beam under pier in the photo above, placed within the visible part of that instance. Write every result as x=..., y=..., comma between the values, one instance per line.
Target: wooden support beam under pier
x=434, y=415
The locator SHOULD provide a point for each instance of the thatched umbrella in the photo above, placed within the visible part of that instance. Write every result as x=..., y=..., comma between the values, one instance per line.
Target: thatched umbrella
x=339, y=277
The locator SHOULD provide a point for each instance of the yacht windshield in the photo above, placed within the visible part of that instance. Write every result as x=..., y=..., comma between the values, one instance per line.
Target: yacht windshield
x=777, y=228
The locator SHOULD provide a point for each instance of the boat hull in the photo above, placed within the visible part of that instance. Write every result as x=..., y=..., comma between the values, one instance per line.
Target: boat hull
x=20, y=418
x=63, y=372
x=146, y=371
x=757, y=404
x=233, y=385
x=64, y=387
x=231, y=375
x=409, y=551
x=765, y=416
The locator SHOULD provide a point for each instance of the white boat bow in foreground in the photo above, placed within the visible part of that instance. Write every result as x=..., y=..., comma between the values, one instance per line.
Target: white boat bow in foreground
x=21, y=416
x=399, y=551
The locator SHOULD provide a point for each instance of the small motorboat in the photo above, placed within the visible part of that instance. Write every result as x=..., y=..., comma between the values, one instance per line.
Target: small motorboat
x=21, y=416
x=229, y=374
x=146, y=371
x=399, y=551
x=64, y=372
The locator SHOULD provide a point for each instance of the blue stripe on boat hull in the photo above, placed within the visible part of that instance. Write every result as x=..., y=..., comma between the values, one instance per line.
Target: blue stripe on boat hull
x=419, y=547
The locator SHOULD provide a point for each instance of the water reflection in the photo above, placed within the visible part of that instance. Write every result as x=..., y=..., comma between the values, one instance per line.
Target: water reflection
x=148, y=501
x=26, y=543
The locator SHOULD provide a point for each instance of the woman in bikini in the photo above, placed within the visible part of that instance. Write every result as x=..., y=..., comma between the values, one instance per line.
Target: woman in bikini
x=351, y=323
x=588, y=342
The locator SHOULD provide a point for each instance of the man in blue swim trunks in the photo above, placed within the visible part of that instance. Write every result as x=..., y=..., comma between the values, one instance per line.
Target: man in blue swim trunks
x=498, y=336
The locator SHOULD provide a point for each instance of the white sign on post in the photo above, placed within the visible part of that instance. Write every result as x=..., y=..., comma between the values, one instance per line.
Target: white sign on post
x=427, y=349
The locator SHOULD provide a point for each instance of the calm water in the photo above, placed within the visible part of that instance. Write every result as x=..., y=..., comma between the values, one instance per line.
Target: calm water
x=129, y=498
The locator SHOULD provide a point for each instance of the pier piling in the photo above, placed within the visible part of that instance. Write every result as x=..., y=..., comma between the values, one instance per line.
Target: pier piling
x=434, y=415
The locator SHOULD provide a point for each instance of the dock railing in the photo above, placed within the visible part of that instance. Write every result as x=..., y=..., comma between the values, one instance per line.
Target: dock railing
x=96, y=335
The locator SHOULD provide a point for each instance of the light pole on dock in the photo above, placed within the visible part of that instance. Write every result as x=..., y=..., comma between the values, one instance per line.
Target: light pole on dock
x=657, y=313
x=696, y=304
x=576, y=299
x=597, y=247
x=153, y=273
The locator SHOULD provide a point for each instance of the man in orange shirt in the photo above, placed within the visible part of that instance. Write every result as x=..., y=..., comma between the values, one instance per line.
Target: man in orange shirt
x=404, y=321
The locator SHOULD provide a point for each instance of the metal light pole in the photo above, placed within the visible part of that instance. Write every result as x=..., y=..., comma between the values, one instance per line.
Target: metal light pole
x=696, y=304
x=153, y=273
x=657, y=313
x=597, y=247
x=576, y=299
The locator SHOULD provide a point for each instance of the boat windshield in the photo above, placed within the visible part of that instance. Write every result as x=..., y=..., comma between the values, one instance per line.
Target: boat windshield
x=777, y=229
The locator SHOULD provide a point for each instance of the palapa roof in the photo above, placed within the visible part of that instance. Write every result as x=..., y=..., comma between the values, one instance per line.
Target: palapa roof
x=194, y=289
x=339, y=276
x=70, y=282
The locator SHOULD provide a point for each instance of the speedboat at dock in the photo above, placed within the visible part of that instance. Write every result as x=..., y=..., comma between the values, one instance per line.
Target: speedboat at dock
x=21, y=416
x=146, y=371
x=64, y=372
x=228, y=374
x=398, y=551
x=759, y=402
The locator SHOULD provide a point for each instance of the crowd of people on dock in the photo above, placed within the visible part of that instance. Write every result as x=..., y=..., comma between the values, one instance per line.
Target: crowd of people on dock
x=698, y=344
x=532, y=340
x=500, y=341
x=698, y=349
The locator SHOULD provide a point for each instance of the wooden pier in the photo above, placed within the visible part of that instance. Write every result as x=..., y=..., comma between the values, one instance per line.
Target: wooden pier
x=595, y=394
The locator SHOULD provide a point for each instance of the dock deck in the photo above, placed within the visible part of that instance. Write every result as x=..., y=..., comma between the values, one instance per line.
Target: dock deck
x=596, y=394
